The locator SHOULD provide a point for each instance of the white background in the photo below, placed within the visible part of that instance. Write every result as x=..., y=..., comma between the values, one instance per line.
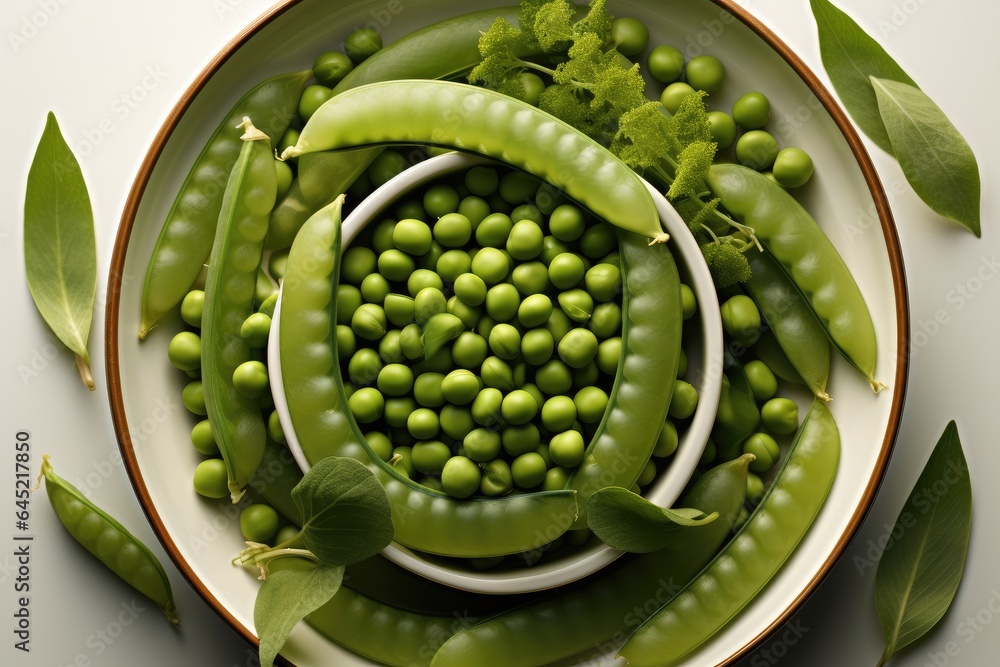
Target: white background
x=111, y=70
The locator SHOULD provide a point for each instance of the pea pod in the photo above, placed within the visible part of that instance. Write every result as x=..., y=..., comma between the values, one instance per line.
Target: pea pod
x=426, y=520
x=185, y=240
x=229, y=295
x=738, y=414
x=608, y=605
x=440, y=51
x=803, y=251
x=109, y=541
x=767, y=350
x=753, y=557
x=651, y=337
x=463, y=117
x=798, y=332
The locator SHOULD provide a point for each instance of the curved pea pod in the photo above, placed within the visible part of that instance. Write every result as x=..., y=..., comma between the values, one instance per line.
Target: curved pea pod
x=441, y=50
x=798, y=245
x=100, y=534
x=651, y=344
x=791, y=319
x=463, y=117
x=320, y=421
x=593, y=614
x=275, y=478
x=185, y=240
x=229, y=296
x=753, y=557
x=738, y=415
x=767, y=350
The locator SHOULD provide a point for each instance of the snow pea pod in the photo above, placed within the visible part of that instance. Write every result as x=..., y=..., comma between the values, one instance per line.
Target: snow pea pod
x=440, y=51
x=108, y=540
x=185, y=239
x=426, y=520
x=755, y=554
x=791, y=236
x=651, y=344
x=229, y=294
x=600, y=613
x=738, y=414
x=463, y=117
x=798, y=332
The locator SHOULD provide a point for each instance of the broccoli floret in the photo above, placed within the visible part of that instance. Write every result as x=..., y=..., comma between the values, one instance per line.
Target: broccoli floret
x=728, y=265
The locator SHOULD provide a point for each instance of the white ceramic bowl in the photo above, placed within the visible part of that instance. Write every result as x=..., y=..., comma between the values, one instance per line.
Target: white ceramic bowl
x=705, y=366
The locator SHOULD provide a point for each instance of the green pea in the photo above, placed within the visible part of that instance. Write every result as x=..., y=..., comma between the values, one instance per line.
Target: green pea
x=357, y=263
x=203, y=439
x=497, y=373
x=475, y=209
x=519, y=407
x=491, y=265
x=422, y=279
x=469, y=350
x=567, y=448
x=395, y=380
x=456, y=421
x=486, y=407
x=554, y=378
x=630, y=36
x=366, y=404
x=598, y=240
x=558, y=325
x=530, y=278
x=259, y=522
x=606, y=320
x=440, y=200
x=399, y=309
x=689, y=303
x=184, y=351
x=502, y=302
x=566, y=270
x=402, y=459
x=765, y=450
x=192, y=307
x=609, y=354
x=250, y=379
x=757, y=149
x=674, y=94
x=752, y=111
x=520, y=439
x=460, y=477
x=708, y=456
x=603, y=281
x=460, y=387
x=348, y=301
x=331, y=66
x=412, y=236
x=762, y=381
x=312, y=98
x=410, y=209
x=591, y=403
x=411, y=341
x=193, y=398
x=520, y=372
x=274, y=430
x=567, y=223
x=792, y=167
x=527, y=212
x=469, y=315
x=684, y=400
x=497, y=478
x=577, y=304
x=665, y=63
x=517, y=187
x=427, y=390
x=427, y=303
x=471, y=289
x=556, y=479
x=578, y=348
x=369, y=322
x=362, y=44
x=382, y=236
x=755, y=489
x=723, y=129
x=705, y=73
x=286, y=534
x=682, y=363
x=537, y=346
x=543, y=451
x=396, y=265
x=482, y=181
x=525, y=240
x=741, y=319
x=453, y=264
x=780, y=416
x=647, y=475
x=397, y=410
x=533, y=87
x=505, y=341
x=485, y=326
x=558, y=414
x=380, y=444
x=423, y=424
x=374, y=288
x=494, y=230
x=482, y=444
x=211, y=479
x=528, y=470
x=666, y=443
x=288, y=139
x=453, y=230
x=430, y=456
x=255, y=330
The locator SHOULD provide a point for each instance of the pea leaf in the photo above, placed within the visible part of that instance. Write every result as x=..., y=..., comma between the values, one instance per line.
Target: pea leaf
x=628, y=522
x=935, y=158
x=919, y=572
x=345, y=512
x=60, y=255
x=288, y=595
x=850, y=57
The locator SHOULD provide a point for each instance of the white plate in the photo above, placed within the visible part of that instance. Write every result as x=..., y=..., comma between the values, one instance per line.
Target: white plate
x=202, y=538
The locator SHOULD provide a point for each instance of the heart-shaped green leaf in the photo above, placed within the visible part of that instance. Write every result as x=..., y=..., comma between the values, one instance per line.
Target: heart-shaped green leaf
x=920, y=570
x=935, y=158
x=628, y=522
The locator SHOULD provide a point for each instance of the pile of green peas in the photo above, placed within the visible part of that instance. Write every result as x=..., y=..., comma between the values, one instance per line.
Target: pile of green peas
x=527, y=291
x=755, y=147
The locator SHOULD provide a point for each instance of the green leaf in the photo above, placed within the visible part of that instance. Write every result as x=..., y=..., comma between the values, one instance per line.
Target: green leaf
x=60, y=255
x=345, y=512
x=287, y=596
x=628, y=522
x=935, y=158
x=850, y=57
x=919, y=572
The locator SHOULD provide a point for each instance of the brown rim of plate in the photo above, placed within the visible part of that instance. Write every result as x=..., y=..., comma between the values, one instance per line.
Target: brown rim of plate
x=773, y=41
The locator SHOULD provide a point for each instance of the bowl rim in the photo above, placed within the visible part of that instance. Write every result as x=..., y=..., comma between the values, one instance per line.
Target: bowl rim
x=771, y=39
x=670, y=484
